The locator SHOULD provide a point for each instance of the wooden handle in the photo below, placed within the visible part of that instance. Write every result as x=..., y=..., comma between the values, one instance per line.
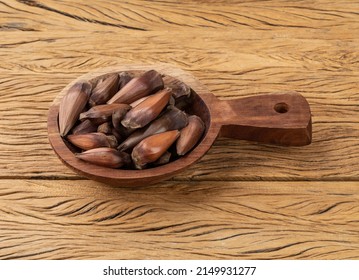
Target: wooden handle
x=282, y=119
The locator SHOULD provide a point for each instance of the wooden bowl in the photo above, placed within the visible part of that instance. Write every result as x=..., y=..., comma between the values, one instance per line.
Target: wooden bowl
x=282, y=119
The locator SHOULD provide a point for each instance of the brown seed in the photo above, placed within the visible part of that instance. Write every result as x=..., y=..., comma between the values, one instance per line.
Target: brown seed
x=179, y=89
x=172, y=119
x=103, y=113
x=190, y=135
x=98, y=80
x=164, y=159
x=117, y=134
x=112, y=140
x=184, y=102
x=117, y=117
x=84, y=127
x=72, y=104
x=181, y=93
x=124, y=78
x=104, y=90
x=107, y=157
x=138, y=101
x=105, y=128
x=89, y=140
x=95, y=81
x=149, y=82
x=152, y=148
x=172, y=101
x=124, y=131
x=147, y=110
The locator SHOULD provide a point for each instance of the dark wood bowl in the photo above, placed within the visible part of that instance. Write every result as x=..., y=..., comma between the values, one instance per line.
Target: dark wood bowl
x=282, y=118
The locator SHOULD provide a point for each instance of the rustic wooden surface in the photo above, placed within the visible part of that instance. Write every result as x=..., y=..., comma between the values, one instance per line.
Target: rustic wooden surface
x=242, y=200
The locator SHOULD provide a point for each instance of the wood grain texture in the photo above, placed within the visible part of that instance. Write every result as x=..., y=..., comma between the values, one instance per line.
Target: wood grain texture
x=242, y=200
x=253, y=220
x=236, y=49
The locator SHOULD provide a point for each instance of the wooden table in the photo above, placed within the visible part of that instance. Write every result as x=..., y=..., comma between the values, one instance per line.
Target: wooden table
x=243, y=200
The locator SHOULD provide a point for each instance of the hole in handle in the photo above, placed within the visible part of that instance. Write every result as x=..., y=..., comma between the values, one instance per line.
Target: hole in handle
x=281, y=107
